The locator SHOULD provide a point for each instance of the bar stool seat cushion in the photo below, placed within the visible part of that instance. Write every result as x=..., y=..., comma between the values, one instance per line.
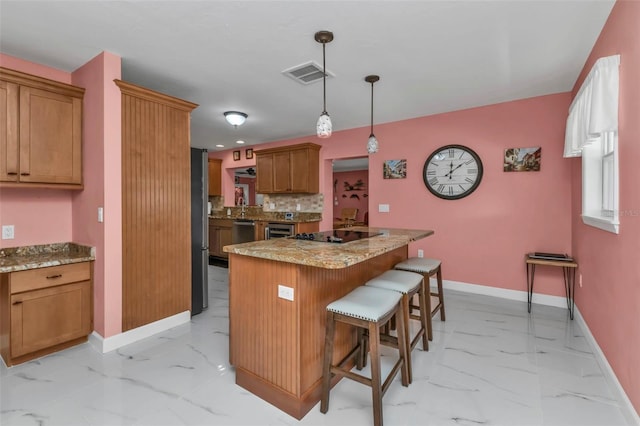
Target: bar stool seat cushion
x=404, y=282
x=422, y=265
x=366, y=303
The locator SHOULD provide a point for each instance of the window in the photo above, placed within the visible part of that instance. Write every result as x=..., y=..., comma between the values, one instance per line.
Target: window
x=592, y=132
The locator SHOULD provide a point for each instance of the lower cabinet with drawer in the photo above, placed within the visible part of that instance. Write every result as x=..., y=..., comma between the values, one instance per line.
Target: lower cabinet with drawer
x=44, y=310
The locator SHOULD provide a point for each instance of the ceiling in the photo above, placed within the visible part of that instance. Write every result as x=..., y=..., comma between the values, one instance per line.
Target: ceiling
x=432, y=56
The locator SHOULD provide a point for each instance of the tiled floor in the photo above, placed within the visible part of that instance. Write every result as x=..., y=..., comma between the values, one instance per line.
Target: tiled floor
x=489, y=363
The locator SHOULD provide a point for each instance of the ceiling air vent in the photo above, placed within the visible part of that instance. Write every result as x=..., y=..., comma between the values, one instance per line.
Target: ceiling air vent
x=306, y=73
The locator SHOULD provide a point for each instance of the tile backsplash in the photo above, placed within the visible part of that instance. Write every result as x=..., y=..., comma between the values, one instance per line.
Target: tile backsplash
x=309, y=203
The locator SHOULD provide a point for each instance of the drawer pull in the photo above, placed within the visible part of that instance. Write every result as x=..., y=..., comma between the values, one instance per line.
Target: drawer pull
x=12, y=173
x=51, y=277
x=18, y=302
x=25, y=174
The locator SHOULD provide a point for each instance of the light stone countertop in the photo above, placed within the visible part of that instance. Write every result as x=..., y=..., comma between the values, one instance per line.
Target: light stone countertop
x=329, y=255
x=41, y=256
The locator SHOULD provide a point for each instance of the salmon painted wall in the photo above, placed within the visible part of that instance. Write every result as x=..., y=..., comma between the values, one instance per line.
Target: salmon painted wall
x=481, y=239
x=345, y=198
x=101, y=159
x=609, y=299
x=40, y=216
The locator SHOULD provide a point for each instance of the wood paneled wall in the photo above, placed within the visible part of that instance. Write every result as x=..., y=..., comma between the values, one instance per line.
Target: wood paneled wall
x=156, y=206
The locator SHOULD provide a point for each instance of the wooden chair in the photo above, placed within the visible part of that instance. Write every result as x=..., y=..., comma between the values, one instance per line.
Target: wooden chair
x=347, y=217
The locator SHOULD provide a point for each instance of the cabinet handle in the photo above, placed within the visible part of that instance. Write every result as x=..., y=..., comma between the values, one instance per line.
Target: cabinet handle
x=12, y=173
x=51, y=277
x=25, y=174
x=17, y=302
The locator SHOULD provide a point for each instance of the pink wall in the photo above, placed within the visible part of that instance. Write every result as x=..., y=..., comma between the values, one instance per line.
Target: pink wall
x=43, y=216
x=510, y=213
x=101, y=136
x=40, y=216
x=342, y=198
x=610, y=298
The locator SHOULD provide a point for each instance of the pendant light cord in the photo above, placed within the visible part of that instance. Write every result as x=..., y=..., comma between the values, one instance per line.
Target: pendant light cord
x=324, y=81
x=371, y=108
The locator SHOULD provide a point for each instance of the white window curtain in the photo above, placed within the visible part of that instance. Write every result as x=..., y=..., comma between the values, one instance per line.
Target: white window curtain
x=594, y=110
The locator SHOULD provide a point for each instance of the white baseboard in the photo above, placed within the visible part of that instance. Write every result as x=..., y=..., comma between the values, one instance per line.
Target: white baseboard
x=503, y=293
x=558, y=301
x=109, y=344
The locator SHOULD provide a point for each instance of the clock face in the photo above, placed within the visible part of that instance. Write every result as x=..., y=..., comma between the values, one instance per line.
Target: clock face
x=452, y=172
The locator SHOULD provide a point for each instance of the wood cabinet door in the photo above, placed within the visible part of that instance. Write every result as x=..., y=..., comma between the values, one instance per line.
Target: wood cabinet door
x=8, y=132
x=264, y=173
x=213, y=240
x=50, y=137
x=299, y=170
x=215, y=177
x=281, y=172
x=43, y=318
x=225, y=240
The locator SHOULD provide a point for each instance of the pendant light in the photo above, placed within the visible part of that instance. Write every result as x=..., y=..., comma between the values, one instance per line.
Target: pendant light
x=324, y=127
x=372, y=143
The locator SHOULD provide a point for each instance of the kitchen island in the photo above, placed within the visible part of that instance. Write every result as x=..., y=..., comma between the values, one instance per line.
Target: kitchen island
x=278, y=293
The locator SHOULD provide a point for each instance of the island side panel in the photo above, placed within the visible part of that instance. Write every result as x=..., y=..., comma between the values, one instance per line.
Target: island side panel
x=263, y=328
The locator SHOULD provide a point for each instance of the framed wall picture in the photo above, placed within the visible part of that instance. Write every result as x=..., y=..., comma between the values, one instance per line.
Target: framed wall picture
x=394, y=169
x=248, y=153
x=522, y=159
x=236, y=155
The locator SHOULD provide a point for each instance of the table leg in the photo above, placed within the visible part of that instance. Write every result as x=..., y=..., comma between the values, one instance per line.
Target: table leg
x=570, y=287
x=531, y=270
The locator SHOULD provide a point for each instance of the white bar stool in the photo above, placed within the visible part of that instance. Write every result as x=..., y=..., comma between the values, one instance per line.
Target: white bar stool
x=408, y=284
x=366, y=308
x=427, y=267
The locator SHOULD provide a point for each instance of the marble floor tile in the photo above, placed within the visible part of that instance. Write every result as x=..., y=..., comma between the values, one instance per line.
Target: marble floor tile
x=490, y=363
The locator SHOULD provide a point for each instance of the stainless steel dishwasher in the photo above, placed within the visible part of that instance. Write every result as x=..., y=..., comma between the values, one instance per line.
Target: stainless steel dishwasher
x=243, y=231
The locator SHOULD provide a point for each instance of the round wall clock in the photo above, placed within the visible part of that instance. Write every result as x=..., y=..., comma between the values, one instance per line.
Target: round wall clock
x=452, y=172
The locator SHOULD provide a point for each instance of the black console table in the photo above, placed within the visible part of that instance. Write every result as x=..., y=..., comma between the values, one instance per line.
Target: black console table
x=568, y=265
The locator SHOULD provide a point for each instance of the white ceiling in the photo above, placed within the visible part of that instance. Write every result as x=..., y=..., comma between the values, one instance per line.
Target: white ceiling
x=432, y=56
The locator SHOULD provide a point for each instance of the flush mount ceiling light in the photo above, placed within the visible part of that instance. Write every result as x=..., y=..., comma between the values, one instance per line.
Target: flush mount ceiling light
x=235, y=118
x=324, y=126
x=372, y=143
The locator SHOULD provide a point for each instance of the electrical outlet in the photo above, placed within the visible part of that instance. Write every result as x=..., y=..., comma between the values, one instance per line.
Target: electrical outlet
x=298, y=207
x=420, y=253
x=383, y=208
x=580, y=280
x=272, y=206
x=8, y=232
x=100, y=214
x=285, y=292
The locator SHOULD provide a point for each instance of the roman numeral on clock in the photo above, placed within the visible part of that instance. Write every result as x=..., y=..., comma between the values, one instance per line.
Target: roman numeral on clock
x=469, y=180
x=433, y=181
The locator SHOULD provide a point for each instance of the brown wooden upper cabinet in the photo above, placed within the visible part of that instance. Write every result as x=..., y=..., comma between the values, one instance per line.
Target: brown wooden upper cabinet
x=41, y=133
x=215, y=176
x=292, y=169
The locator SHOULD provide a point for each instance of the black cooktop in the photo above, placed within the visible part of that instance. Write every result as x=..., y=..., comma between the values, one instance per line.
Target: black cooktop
x=336, y=236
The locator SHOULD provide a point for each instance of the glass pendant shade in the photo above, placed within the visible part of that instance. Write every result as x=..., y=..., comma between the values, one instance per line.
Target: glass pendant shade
x=324, y=126
x=372, y=144
x=235, y=118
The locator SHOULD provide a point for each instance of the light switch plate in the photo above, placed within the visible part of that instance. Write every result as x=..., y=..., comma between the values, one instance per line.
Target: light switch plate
x=8, y=232
x=100, y=214
x=383, y=208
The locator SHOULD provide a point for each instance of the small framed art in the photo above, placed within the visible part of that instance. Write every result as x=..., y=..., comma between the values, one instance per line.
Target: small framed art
x=236, y=155
x=248, y=153
x=522, y=159
x=394, y=169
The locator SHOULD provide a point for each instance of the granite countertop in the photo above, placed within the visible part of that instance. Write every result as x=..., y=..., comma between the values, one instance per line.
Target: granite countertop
x=41, y=256
x=329, y=255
